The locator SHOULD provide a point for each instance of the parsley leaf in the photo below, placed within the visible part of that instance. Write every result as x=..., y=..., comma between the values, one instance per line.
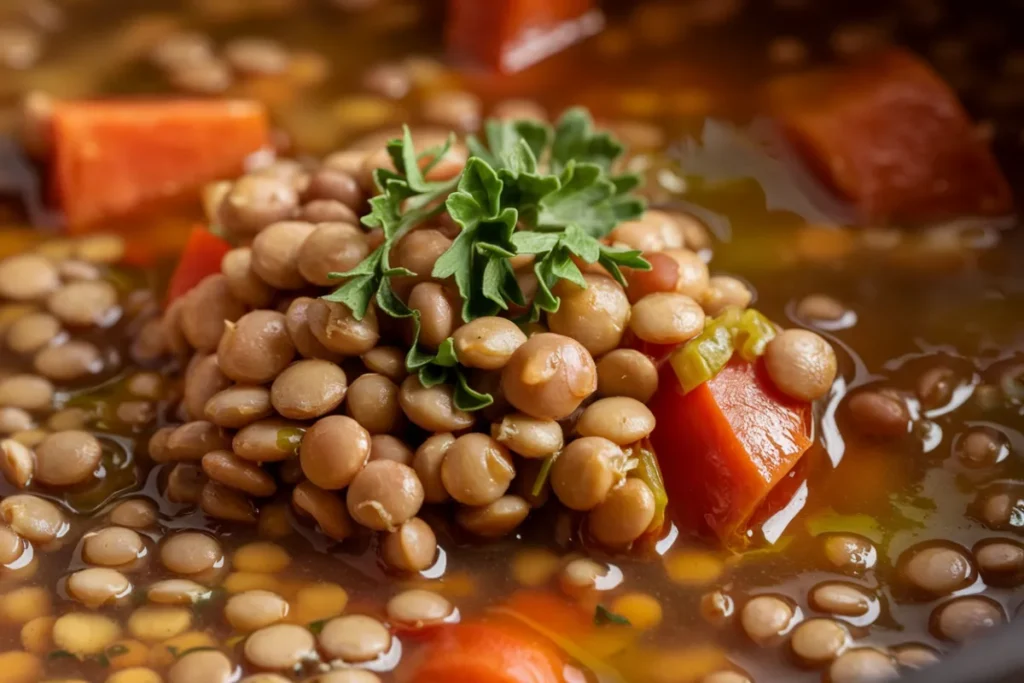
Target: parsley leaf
x=525, y=189
x=577, y=141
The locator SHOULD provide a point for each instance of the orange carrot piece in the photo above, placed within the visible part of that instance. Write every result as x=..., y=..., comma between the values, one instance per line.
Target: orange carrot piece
x=510, y=35
x=112, y=157
x=726, y=444
x=890, y=136
x=488, y=652
x=201, y=257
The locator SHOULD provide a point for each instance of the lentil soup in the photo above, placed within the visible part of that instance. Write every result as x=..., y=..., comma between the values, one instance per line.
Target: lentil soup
x=553, y=426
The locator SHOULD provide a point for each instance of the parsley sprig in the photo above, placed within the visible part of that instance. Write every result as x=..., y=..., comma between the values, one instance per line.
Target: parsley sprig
x=525, y=189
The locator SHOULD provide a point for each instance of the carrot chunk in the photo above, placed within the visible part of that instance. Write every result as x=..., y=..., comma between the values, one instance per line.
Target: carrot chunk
x=112, y=157
x=725, y=445
x=890, y=136
x=488, y=652
x=201, y=257
x=510, y=35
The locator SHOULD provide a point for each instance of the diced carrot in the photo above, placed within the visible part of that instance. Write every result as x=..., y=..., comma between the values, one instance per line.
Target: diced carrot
x=890, y=136
x=202, y=256
x=510, y=35
x=112, y=157
x=488, y=652
x=725, y=445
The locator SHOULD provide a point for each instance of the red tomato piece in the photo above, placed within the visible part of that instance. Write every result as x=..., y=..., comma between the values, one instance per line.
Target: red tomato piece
x=890, y=136
x=510, y=35
x=201, y=257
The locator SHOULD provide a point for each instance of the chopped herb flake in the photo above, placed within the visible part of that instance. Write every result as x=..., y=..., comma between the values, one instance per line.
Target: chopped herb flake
x=604, y=616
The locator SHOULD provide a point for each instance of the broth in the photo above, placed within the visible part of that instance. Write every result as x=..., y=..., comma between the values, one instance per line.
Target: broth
x=914, y=300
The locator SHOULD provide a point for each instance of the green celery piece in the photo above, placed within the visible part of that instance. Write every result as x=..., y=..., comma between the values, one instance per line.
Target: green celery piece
x=703, y=357
x=649, y=472
x=752, y=334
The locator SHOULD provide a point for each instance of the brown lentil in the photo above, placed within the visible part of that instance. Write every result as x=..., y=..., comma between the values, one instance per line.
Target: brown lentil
x=325, y=508
x=412, y=547
x=275, y=252
x=527, y=436
x=112, y=547
x=185, y=484
x=31, y=332
x=862, y=664
x=427, y=461
x=228, y=469
x=84, y=303
x=495, y=519
x=476, y=470
x=28, y=392
x=333, y=451
x=256, y=348
x=586, y=471
x=549, y=376
x=208, y=307
x=879, y=414
x=628, y=373
x=595, y=316
x=354, y=638
x=280, y=647
x=418, y=608
x=337, y=329
x=191, y=553
x=238, y=406
x=372, y=401
x=331, y=248
x=67, y=458
x=624, y=515
x=242, y=282
x=137, y=513
x=27, y=277
x=17, y=462
x=766, y=617
x=384, y=494
x=33, y=518
x=965, y=618
x=193, y=440
x=432, y=408
x=666, y=318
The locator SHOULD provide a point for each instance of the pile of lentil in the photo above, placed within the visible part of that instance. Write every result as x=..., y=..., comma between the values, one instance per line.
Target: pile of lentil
x=261, y=391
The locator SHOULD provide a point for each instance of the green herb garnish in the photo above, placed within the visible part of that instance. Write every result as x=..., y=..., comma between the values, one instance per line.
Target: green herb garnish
x=604, y=616
x=101, y=659
x=315, y=627
x=526, y=189
x=543, y=474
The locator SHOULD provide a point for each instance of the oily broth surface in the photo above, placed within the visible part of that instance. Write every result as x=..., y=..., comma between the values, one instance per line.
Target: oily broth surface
x=919, y=301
